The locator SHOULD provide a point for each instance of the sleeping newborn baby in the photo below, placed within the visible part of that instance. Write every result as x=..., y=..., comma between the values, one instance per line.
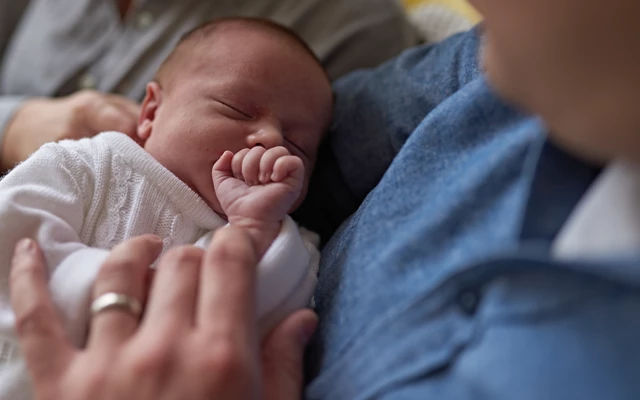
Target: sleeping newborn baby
x=228, y=133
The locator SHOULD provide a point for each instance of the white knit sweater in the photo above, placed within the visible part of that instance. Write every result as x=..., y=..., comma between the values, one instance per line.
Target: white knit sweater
x=79, y=198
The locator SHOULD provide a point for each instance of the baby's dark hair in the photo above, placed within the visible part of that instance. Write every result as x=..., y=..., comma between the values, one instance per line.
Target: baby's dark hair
x=205, y=31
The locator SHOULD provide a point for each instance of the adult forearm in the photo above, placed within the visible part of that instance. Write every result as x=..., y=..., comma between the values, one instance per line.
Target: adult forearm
x=40, y=120
x=8, y=106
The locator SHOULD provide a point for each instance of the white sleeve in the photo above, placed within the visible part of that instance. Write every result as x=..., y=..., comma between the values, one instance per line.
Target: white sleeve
x=42, y=199
x=287, y=273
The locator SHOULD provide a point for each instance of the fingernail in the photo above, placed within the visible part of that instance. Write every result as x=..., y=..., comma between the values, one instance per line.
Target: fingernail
x=155, y=238
x=25, y=245
x=157, y=241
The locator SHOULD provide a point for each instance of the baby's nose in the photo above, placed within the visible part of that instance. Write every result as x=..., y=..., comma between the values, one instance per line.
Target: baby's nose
x=266, y=136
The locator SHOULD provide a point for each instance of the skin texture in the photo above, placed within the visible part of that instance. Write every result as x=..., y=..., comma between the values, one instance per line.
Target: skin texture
x=574, y=62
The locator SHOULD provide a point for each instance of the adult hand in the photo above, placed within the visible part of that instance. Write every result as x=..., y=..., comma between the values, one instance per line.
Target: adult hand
x=83, y=114
x=197, y=339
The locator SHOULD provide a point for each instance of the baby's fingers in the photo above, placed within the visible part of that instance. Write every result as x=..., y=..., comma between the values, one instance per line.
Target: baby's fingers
x=268, y=160
x=288, y=167
x=251, y=165
x=222, y=168
x=236, y=163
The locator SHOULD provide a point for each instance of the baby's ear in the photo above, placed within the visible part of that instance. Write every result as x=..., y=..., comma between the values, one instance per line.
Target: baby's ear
x=150, y=104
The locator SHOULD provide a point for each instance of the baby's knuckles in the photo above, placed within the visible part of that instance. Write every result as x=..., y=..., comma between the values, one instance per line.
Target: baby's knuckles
x=251, y=165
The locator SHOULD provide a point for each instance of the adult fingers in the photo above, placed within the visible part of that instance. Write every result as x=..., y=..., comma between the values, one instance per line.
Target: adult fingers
x=129, y=113
x=111, y=117
x=226, y=301
x=99, y=112
x=128, y=105
x=283, y=354
x=124, y=272
x=173, y=293
x=39, y=328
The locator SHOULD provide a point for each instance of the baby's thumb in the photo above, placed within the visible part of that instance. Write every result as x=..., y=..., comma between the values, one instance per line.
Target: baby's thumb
x=283, y=353
x=222, y=168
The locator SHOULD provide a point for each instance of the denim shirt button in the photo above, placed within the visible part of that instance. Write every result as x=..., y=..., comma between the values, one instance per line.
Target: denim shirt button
x=468, y=301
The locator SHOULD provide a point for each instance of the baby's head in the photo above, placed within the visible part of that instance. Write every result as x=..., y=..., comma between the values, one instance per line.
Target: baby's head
x=231, y=84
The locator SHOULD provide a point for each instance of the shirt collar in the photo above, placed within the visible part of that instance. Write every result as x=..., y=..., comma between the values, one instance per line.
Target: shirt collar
x=560, y=180
x=606, y=221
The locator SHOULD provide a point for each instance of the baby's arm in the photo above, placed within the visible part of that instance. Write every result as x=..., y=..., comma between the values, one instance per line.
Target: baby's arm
x=286, y=274
x=256, y=189
x=41, y=199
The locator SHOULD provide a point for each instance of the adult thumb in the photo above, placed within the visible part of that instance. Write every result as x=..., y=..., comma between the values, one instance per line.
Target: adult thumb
x=283, y=353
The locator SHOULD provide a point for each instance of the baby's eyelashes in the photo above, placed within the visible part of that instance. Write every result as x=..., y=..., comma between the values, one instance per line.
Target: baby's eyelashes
x=234, y=112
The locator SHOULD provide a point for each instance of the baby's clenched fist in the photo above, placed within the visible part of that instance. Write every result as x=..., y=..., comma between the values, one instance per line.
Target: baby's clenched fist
x=257, y=187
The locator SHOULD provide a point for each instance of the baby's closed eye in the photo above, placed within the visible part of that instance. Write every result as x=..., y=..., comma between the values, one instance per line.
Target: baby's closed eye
x=232, y=111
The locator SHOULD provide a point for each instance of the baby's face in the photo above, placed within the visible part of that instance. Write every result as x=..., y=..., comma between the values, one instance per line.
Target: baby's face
x=241, y=89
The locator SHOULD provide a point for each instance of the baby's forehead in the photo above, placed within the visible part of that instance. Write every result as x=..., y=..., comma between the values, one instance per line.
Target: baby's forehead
x=222, y=37
x=207, y=37
x=222, y=31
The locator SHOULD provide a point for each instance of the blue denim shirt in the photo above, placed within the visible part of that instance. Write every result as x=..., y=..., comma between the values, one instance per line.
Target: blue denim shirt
x=441, y=283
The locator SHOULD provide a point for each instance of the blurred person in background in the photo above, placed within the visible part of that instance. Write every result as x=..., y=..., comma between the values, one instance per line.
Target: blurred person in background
x=73, y=68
